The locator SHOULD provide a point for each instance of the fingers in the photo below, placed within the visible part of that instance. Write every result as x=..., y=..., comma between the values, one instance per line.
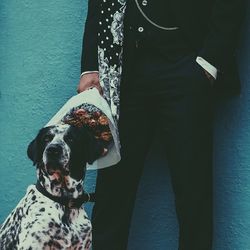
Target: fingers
x=81, y=88
x=89, y=81
x=210, y=77
x=84, y=86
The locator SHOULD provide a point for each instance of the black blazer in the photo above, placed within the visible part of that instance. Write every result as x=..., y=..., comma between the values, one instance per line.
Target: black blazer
x=211, y=26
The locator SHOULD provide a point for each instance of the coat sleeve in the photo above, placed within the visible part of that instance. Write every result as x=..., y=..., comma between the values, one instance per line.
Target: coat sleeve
x=224, y=28
x=89, y=58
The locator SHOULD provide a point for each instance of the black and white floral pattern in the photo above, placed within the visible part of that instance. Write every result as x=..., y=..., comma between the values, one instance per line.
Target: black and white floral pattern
x=110, y=51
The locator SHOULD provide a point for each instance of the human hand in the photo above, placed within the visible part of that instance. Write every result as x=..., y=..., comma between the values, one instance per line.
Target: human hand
x=89, y=80
x=210, y=77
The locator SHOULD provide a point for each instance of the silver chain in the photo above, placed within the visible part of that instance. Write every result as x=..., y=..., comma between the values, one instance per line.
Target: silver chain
x=152, y=22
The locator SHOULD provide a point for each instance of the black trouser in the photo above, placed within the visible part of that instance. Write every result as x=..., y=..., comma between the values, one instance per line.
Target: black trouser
x=170, y=94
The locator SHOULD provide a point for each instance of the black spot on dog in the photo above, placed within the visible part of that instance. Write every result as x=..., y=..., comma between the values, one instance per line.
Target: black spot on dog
x=57, y=225
x=65, y=230
x=86, y=229
x=54, y=245
x=74, y=240
x=42, y=209
x=31, y=191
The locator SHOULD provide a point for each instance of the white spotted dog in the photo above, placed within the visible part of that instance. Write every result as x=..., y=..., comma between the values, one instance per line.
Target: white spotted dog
x=51, y=215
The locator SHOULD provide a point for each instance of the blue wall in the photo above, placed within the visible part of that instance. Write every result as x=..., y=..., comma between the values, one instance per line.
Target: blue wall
x=39, y=58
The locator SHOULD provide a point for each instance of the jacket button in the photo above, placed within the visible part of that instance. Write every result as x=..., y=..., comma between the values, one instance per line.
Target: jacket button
x=140, y=29
x=144, y=2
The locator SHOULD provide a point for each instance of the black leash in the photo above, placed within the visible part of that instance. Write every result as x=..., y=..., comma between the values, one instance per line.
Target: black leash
x=65, y=201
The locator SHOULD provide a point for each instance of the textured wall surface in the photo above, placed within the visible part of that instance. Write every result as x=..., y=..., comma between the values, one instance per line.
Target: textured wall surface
x=39, y=58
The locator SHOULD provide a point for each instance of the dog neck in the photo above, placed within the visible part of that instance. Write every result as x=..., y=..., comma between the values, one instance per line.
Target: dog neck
x=68, y=203
x=67, y=187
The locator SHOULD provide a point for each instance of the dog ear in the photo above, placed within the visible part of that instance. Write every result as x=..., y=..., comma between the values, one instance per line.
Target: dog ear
x=94, y=149
x=32, y=151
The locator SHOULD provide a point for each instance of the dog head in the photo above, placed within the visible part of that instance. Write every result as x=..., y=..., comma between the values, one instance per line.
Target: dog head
x=60, y=153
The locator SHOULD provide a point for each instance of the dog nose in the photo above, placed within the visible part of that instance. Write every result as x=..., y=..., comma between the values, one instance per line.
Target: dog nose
x=54, y=150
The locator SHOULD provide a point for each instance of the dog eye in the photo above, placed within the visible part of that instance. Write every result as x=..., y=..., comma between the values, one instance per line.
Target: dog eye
x=48, y=138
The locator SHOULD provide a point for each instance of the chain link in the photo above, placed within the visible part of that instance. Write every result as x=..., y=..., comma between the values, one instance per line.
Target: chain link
x=152, y=22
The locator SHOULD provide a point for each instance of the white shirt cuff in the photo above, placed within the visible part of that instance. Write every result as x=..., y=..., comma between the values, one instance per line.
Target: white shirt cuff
x=207, y=66
x=88, y=72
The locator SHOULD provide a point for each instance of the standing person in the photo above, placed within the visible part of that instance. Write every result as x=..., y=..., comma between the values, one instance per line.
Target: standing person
x=159, y=63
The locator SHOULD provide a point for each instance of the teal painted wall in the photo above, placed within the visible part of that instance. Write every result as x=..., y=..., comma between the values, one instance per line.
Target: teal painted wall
x=40, y=47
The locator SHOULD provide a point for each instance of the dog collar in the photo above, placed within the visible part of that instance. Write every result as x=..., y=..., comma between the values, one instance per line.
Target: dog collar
x=65, y=201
